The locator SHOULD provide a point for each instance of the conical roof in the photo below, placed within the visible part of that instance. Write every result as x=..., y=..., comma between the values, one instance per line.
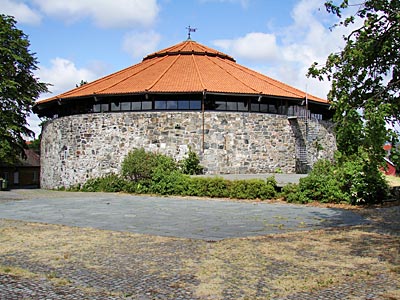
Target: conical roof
x=187, y=67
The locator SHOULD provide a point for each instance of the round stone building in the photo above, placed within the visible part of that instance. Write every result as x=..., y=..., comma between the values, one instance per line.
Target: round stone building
x=187, y=96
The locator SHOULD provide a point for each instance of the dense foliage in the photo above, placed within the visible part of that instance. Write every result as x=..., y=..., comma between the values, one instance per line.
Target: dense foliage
x=18, y=89
x=146, y=172
x=365, y=75
x=365, y=94
x=178, y=184
x=353, y=180
x=191, y=164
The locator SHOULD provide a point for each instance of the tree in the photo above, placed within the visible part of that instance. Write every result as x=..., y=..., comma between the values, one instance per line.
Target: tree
x=365, y=76
x=18, y=89
x=34, y=145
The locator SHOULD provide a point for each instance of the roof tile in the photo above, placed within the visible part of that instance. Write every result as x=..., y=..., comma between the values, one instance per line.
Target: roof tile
x=186, y=67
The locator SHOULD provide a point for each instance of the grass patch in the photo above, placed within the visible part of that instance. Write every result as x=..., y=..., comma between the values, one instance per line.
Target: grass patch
x=280, y=265
x=15, y=271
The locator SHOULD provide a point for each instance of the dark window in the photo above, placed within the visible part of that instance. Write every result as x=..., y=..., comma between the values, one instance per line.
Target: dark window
x=255, y=107
x=97, y=108
x=282, y=109
x=160, y=104
x=136, y=106
x=273, y=109
x=115, y=106
x=195, y=104
x=147, y=105
x=105, y=107
x=231, y=106
x=220, y=105
x=183, y=104
x=172, y=104
x=125, y=106
x=243, y=106
x=264, y=108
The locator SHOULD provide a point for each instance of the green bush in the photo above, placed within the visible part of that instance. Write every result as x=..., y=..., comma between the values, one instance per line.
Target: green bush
x=191, y=164
x=196, y=186
x=144, y=172
x=351, y=180
x=364, y=183
x=291, y=193
x=108, y=183
x=252, y=189
x=322, y=185
x=168, y=183
x=214, y=187
x=138, y=165
x=217, y=187
x=133, y=187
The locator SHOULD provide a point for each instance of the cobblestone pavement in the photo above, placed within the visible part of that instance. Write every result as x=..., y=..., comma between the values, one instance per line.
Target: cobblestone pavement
x=45, y=261
x=177, y=217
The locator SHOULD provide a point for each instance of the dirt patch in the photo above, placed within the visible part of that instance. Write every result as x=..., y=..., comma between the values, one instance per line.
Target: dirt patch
x=88, y=263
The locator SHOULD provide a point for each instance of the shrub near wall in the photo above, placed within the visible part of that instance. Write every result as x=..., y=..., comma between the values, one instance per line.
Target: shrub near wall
x=178, y=184
x=350, y=180
x=162, y=176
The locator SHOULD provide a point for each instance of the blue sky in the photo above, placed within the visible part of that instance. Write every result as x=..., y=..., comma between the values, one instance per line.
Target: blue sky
x=78, y=40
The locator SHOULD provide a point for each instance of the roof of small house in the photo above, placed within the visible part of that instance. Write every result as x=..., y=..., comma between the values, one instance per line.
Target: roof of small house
x=32, y=159
x=187, y=67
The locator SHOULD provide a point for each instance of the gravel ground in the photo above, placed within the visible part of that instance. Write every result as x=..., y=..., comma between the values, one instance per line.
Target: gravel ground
x=46, y=261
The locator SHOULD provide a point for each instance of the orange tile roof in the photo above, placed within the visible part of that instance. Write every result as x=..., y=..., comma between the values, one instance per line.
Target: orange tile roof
x=187, y=67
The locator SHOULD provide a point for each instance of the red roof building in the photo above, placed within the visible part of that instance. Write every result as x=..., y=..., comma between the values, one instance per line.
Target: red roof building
x=187, y=96
x=183, y=69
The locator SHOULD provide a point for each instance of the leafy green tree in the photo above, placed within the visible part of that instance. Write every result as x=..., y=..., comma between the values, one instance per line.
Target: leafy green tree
x=18, y=89
x=34, y=145
x=365, y=75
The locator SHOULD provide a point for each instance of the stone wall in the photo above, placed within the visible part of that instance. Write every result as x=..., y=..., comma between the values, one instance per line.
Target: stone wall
x=76, y=148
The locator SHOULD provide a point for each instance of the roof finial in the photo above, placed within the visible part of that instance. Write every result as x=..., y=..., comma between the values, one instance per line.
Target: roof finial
x=190, y=29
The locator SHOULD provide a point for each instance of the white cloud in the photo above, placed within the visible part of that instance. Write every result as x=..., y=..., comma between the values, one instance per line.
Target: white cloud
x=141, y=44
x=287, y=54
x=63, y=75
x=22, y=12
x=34, y=124
x=105, y=13
x=253, y=46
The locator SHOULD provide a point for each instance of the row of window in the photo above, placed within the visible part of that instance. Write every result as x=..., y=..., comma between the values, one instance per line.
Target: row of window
x=271, y=106
x=189, y=105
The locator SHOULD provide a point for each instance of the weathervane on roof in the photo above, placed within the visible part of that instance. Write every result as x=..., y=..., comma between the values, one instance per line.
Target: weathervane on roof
x=190, y=29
